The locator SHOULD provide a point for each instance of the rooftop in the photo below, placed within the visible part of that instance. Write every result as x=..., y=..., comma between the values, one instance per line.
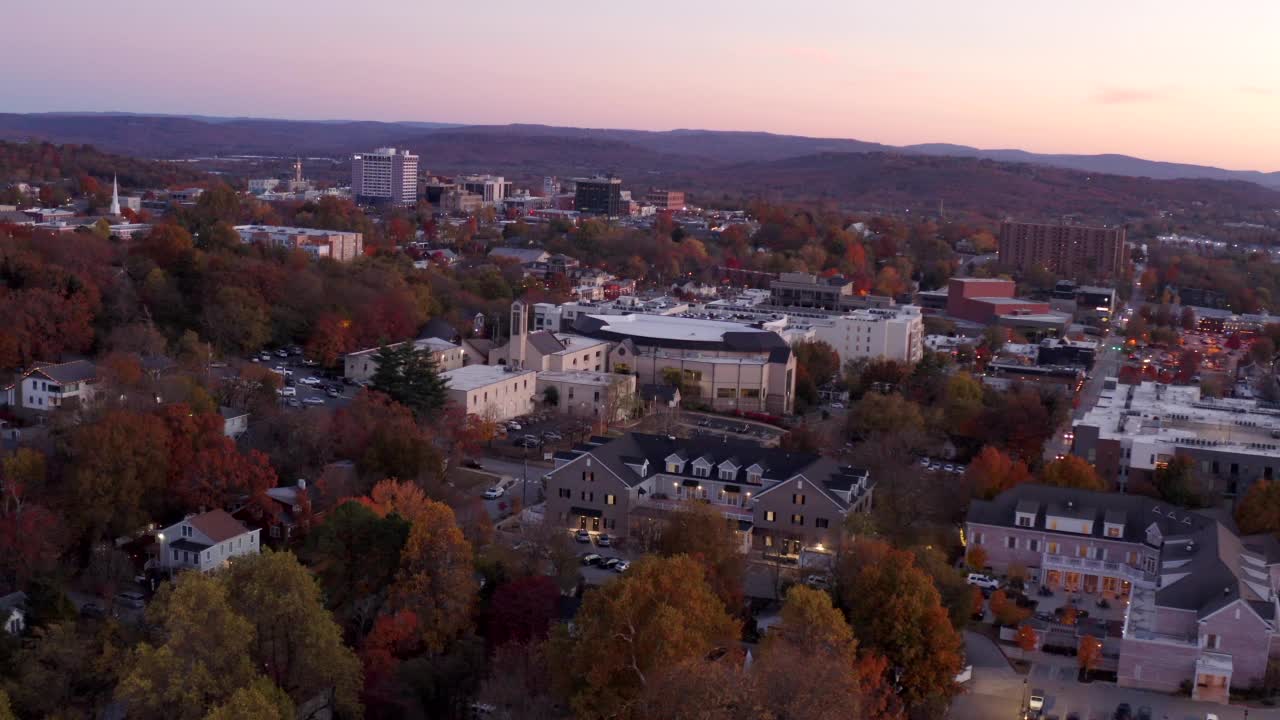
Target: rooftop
x=666, y=327
x=474, y=377
x=68, y=372
x=286, y=230
x=582, y=377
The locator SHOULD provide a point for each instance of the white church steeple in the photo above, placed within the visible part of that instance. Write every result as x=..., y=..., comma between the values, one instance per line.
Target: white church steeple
x=115, y=196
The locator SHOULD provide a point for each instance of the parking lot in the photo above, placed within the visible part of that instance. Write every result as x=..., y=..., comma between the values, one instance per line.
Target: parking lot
x=719, y=426
x=306, y=385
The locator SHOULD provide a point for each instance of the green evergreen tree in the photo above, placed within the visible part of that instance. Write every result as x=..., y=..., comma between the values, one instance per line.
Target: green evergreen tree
x=410, y=377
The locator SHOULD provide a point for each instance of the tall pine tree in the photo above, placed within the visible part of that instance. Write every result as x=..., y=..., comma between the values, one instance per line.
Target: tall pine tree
x=410, y=377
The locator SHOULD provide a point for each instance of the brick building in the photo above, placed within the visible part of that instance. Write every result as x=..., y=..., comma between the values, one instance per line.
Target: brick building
x=1070, y=251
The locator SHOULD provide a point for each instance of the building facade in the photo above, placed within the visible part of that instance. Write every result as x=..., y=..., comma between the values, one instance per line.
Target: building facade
x=385, y=176
x=779, y=502
x=205, y=542
x=1071, y=251
x=49, y=386
x=1200, y=599
x=599, y=196
x=361, y=365
x=894, y=334
x=493, y=392
x=665, y=199
x=596, y=396
x=332, y=244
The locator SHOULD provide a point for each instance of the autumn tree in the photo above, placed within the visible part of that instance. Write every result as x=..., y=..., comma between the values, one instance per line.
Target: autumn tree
x=355, y=555
x=1176, y=482
x=1027, y=638
x=294, y=639
x=401, y=498
x=1089, y=653
x=522, y=610
x=59, y=669
x=203, y=659
x=1006, y=611
x=661, y=613
x=702, y=533
x=1259, y=510
x=221, y=474
x=237, y=320
x=117, y=472
x=885, y=414
x=976, y=558
x=435, y=580
x=895, y=611
x=1072, y=471
x=992, y=472
x=956, y=594
x=261, y=700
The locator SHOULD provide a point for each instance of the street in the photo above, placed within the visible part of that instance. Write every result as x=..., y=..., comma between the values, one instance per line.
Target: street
x=1106, y=364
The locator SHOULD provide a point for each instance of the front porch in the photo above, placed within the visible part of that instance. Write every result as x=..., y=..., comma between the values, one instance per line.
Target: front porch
x=1213, y=678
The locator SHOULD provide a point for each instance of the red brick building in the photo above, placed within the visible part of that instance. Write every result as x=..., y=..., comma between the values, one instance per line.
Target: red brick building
x=1069, y=251
x=982, y=300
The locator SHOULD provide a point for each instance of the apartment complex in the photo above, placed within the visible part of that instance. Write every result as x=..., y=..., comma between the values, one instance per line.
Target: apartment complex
x=333, y=244
x=781, y=502
x=665, y=199
x=385, y=176
x=360, y=366
x=1201, y=598
x=598, y=196
x=881, y=333
x=1071, y=251
x=727, y=365
x=1134, y=429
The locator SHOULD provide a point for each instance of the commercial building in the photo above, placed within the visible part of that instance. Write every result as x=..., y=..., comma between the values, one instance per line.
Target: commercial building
x=1087, y=303
x=492, y=189
x=597, y=396
x=599, y=196
x=1071, y=251
x=333, y=244
x=805, y=290
x=665, y=199
x=727, y=365
x=780, y=502
x=494, y=392
x=1200, y=604
x=361, y=365
x=879, y=333
x=385, y=176
x=983, y=300
x=259, y=186
x=1134, y=429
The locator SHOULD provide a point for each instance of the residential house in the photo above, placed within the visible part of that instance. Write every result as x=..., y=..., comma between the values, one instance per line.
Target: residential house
x=205, y=542
x=13, y=613
x=779, y=502
x=48, y=386
x=234, y=422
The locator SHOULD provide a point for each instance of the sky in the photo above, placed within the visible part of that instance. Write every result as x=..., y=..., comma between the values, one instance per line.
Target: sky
x=1176, y=80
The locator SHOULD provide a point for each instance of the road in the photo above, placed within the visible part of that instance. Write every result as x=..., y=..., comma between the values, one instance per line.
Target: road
x=997, y=692
x=511, y=475
x=1107, y=364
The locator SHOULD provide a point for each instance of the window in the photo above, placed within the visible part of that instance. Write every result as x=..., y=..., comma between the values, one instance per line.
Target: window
x=701, y=471
x=1082, y=551
x=566, y=493
x=770, y=516
x=1053, y=548
x=673, y=467
x=1212, y=641
x=1113, y=532
x=727, y=474
x=977, y=538
x=610, y=499
x=588, y=476
x=797, y=499
x=752, y=393
x=1011, y=542
x=1024, y=521
x=1033, y=545
x=753, y=478
x=724, y=393
x=821, y=523
x=186, y=531
x=797, y=519
x=597, y=398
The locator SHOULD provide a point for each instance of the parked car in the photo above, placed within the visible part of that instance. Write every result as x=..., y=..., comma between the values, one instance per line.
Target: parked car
x=333, y=392
x=985, y=582
x=92, y=611
x=621, y=567
x=313, y=401
x=552, y=436
x=1035, y=706
x=472, y=463
x=310, y=381
x=494, y=492
x=514, y=426
x=591, y=559
x=582, y=536
x=287, y=391
x=131, y=599
x=293, y=402
x=1123, y=712
x=604, y=540
x=610, y=563
x=837, y=406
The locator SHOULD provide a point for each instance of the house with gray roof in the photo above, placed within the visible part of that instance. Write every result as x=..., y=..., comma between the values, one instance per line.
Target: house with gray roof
x=1200, y=599
x=782, y=502
x=48, y=386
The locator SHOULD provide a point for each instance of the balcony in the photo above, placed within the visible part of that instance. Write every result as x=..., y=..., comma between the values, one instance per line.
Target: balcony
x=1067, y=563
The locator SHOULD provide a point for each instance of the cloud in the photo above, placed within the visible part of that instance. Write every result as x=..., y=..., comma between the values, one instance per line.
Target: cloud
x=1125, y=96
x=1257, y=90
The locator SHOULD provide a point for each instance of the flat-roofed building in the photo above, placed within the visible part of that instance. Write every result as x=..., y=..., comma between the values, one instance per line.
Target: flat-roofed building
x=333, y=244
x=385, y=176
x=1071, y=251
x=494, y=392
x=665, y=199
x=598, y=396
x=360, y=366
x=877, y=333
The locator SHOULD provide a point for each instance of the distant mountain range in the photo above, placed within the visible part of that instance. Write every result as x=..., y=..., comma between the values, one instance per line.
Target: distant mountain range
x=175, y=136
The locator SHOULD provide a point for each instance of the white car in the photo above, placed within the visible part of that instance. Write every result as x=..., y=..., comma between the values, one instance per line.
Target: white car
x=621, y=567
x=494, y=492
x=985, y=582
x=310, y=381
x=314, y=401
x=287, y=392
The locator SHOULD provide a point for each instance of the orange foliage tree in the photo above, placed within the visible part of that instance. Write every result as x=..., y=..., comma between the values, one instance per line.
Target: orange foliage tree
x=992, y=472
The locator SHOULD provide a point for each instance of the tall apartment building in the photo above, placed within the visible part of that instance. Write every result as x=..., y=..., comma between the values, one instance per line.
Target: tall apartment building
x=878, y=333
x=493, y=190
x=385, y=176
x=665, y=199
x=1071, y=251
x=599, y=196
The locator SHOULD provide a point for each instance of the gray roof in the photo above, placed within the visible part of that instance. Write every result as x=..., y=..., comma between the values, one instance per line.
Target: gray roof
x=545, y=343
x=75, y=371
x=523, y=255
x=13, y=600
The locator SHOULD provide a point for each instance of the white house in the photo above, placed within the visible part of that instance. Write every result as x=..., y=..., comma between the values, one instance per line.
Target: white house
x=205, y=542
x=234, y=422
x=47, y=386
x=13, y=613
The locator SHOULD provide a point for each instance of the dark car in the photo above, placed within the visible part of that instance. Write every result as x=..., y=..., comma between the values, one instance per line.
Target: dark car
x=92, y=611
x=1144, y=712
x=473, y=464
x=1123, y=712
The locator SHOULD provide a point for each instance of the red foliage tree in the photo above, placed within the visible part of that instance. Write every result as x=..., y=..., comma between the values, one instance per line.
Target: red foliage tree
x=522, y=610
x=220, y=475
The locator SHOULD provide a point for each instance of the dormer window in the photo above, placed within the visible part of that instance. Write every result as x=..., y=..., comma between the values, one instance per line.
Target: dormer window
x=1024, y=521
x=702, y=470
x=727, y=474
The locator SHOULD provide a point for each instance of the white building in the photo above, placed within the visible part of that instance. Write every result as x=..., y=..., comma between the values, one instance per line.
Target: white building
x=494, y=392
x=258, y=186
x=878, y=333
x=234, y=422
x=362, y=364
x=205, y=542
x=385, y=175
x=492, y=189
x=47, y=386
x=594, y=395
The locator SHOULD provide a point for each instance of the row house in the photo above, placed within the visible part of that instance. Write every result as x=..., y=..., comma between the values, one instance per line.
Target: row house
x=778, y=502
x=1200, y=598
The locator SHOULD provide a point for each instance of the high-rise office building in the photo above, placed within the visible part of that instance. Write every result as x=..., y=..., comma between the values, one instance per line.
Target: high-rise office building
x=1071, y=251
x=598, y=196
x=385, y=176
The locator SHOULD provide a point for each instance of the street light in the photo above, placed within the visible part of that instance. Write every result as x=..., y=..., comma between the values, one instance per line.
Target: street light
x=160, y=537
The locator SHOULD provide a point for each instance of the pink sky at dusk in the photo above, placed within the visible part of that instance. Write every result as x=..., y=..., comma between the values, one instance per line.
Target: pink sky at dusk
x=1175, y=80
